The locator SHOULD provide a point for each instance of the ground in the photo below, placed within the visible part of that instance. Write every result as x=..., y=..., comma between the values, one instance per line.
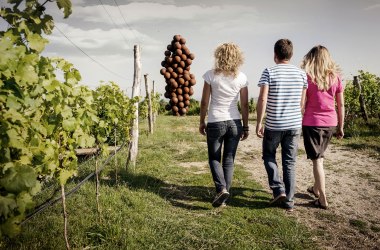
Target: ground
x=352, y=185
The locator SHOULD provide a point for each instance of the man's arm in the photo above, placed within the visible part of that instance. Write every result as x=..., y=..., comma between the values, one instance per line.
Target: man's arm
x=204, y=106
x=260, y=109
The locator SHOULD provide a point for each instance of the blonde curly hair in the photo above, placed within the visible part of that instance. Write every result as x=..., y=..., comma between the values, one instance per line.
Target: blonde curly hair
x=320, y=67
x=228, y=59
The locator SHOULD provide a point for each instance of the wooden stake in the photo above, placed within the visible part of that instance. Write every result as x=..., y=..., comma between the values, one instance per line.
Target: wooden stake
x=150, y=113
x=133, y=144
x=361, y=99
x=65, y=216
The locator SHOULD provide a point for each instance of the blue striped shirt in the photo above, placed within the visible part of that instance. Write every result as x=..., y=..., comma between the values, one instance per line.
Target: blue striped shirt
x=286, y=83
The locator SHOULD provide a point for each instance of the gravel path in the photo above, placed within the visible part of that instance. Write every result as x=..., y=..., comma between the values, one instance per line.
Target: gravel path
x=352, y=185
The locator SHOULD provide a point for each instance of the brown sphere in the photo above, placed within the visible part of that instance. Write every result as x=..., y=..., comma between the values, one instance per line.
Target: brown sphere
x=186, y=97
x=181, y=81
x=191, y=91
x=177, y=45
x=169, y=60
x=192, y=76
x=189, y=61
x=187, y=77
x=192, y=56
x=179, y=91
x=187, y=102
x=169, y=69
x=173, y=83
x=179, y=70
x=186, y=83
x=174, y=74
x=181, y=104
x=187, y=51
x=182, y=64
x=174, y=65
x=182, y=40
x=178, y=52
x=174, y=100
x=180, y=98
x=168, y=107
x=169, y=47
x=167, y=75
x=162, y=71
x=183, y=57
x=167, y=53
x=186, y=89
x=177, y=38
x=175, y=108
x=192, y=82
x=173, y=94
x=178, y=58
x=184, y=111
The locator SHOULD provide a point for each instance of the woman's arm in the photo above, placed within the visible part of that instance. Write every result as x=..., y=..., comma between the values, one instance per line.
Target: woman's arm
x=204, y=107
x=244, y=112
x=341, y=112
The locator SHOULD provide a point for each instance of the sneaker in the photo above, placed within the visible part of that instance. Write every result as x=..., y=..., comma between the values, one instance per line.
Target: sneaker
x=278, y=199
x=220, y=198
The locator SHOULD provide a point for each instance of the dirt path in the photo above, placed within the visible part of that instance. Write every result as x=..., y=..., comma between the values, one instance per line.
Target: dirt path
x=352, y=186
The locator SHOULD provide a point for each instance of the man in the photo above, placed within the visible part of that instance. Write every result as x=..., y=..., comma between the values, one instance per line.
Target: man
x=282, y=94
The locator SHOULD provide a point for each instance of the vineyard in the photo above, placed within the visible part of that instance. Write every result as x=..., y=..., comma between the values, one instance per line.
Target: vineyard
x=47, y=117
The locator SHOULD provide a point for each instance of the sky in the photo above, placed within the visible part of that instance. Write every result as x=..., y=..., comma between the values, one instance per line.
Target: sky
x=99, y=35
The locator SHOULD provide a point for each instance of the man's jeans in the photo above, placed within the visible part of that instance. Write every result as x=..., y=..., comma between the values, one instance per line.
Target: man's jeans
x=226, y=133
x=289, y=146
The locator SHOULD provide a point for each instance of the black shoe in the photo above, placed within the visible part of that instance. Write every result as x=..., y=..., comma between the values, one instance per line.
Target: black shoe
x=220, y=198
x=278, y=199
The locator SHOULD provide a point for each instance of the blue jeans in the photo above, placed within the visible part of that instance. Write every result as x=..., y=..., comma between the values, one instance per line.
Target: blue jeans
x=226, y=134
x=289, y=146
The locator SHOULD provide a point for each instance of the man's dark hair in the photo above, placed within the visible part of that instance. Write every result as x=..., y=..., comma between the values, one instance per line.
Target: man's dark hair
x=283, y=49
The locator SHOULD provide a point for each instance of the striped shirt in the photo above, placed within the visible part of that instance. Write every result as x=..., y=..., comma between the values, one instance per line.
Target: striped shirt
x=286, y=83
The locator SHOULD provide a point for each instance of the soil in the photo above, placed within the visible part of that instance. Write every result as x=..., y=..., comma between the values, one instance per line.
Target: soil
x=352, y=220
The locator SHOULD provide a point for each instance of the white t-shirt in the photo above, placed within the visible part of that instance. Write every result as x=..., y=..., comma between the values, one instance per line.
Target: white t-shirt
x=224, y=95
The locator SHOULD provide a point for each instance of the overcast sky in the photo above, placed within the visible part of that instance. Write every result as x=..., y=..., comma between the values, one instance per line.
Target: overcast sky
x=107, y=30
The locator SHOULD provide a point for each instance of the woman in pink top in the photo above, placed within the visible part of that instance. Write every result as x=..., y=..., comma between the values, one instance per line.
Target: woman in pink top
x=320, y=117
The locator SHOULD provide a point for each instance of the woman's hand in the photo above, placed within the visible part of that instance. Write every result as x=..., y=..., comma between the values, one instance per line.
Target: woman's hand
x=340, y=133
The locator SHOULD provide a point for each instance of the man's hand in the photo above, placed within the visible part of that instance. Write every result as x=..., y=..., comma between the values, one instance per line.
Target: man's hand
x=244, y=135
x=260, y=130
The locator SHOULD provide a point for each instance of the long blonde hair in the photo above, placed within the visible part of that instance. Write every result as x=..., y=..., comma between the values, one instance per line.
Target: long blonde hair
x=320, y=67
x=228, y=59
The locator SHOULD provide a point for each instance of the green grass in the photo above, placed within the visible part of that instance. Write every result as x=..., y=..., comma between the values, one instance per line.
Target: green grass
x=163, y=205
x=362, y=137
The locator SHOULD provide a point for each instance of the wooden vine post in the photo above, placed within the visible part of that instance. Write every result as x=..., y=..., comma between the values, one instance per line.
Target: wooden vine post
x=148, y=96
x=154, y=96
x=133, y=144
x=361, y=99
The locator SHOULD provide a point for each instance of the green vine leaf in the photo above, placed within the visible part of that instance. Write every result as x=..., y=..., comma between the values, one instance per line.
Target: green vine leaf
x=66, y=6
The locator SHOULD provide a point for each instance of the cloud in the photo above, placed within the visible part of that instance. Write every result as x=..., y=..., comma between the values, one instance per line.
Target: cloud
x=373, y=7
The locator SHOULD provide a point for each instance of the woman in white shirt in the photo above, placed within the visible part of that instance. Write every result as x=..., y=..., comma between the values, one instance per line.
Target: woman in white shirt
x=222, y=85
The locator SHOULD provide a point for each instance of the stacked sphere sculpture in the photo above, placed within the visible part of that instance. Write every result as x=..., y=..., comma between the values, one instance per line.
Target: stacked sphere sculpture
x=179, y=80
